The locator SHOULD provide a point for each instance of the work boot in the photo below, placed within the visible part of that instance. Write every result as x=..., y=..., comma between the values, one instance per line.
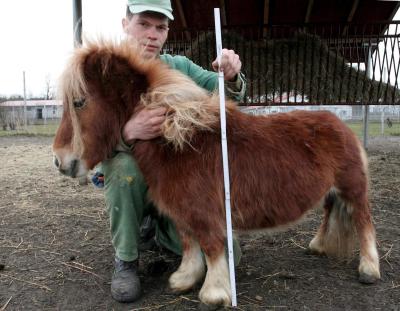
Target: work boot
x=125, y=283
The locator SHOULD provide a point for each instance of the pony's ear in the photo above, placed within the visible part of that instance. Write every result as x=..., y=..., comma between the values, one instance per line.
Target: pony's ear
x=110, y=74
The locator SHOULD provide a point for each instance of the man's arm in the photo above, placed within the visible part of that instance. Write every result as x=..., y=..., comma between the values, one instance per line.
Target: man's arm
x=208, y=80
x=146, y=124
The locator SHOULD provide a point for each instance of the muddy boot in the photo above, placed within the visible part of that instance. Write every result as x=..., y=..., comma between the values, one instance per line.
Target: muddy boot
x=125, y=283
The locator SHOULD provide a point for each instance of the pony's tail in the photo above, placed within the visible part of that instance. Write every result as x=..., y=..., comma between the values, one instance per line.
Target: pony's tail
x=340, y=236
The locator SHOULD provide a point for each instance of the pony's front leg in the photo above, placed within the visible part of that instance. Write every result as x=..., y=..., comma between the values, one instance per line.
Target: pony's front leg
x=216, y=289
x=191, y=269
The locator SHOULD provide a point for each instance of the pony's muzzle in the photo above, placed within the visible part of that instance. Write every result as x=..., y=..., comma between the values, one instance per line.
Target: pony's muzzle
x=71, y=167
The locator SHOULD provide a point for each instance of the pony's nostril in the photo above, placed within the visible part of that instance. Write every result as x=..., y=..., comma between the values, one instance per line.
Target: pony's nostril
x=56, y=162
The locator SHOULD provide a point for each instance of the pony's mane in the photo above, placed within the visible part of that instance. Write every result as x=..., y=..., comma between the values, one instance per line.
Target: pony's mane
x=190, y=108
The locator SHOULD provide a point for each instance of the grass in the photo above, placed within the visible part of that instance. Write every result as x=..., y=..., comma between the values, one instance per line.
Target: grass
x=374, y=129
x=33, y=130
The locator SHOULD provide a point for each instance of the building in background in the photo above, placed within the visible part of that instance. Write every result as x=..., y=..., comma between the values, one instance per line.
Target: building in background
x=12, y=113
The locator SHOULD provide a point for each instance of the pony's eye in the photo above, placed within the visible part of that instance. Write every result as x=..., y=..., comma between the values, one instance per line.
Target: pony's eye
x=79, y=103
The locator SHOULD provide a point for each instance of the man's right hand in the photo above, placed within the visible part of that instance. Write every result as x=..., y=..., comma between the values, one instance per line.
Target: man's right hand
x=144, y=124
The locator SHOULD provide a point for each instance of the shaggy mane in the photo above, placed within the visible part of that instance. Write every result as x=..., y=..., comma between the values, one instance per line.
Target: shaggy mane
x=190, y=108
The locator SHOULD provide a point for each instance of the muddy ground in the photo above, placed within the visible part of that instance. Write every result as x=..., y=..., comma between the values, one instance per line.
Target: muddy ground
x=55, y=251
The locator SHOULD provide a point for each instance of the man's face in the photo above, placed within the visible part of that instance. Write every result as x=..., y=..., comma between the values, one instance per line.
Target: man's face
x=149, y=31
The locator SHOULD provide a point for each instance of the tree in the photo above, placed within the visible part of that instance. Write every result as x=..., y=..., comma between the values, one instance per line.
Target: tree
x=49, y=89
x=16, y=97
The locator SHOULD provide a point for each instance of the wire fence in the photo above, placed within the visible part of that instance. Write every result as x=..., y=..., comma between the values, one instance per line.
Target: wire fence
x=322, y=64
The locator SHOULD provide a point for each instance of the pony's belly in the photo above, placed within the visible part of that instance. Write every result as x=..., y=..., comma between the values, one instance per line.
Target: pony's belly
x=275, y=218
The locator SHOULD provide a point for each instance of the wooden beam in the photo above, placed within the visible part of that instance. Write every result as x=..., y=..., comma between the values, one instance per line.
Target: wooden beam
x=309, y=9
x=353, y=10
x=181, y=13
x=351, y=15
x=266, y=18
x=223, y=12
x=182, y=17
x=266, y=12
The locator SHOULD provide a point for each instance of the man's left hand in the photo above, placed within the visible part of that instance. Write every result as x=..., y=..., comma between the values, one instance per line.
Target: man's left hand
x=230, y=64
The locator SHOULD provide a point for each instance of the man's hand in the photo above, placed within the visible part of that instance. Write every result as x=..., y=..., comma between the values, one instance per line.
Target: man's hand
x=144, y=124
x=230, y=64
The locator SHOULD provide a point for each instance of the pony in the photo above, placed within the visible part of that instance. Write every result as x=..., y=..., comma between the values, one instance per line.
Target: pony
x=281, y=165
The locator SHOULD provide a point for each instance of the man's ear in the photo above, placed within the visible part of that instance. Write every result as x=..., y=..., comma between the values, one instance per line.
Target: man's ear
x=125, y=23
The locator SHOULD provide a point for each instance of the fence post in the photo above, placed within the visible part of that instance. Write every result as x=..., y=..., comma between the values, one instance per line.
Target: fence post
x=366, y=107
x=25, y=116
x=77, y=22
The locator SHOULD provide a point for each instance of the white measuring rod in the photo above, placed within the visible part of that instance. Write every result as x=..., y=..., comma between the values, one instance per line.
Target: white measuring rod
x=225, y=157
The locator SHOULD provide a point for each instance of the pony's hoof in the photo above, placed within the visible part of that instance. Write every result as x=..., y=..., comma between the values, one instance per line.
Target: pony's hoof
x=367, y=278
x=314, y=252
x=179, y=283
x=215, y=297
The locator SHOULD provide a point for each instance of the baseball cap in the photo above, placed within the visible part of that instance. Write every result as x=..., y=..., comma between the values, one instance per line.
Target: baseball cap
x=160, y=6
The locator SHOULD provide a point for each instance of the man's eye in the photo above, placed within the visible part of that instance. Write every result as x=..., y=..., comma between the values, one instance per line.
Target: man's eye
x=79, y=103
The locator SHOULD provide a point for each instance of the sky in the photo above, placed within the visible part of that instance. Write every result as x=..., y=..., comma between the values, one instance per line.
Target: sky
x=37, y=37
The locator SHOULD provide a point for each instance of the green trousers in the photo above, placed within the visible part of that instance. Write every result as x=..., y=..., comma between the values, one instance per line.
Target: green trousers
x=127, y=204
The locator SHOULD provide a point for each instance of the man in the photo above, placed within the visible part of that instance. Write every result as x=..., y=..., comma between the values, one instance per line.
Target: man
x=147, y=22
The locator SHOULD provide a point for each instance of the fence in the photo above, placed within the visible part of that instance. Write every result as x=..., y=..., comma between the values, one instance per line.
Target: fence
x=338, y=64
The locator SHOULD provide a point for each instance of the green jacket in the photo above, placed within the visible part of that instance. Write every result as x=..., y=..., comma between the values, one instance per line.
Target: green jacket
x=204, y=78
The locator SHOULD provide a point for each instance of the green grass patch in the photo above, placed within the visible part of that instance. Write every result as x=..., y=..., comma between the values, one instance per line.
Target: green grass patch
x=374, y=129
x=32, y=130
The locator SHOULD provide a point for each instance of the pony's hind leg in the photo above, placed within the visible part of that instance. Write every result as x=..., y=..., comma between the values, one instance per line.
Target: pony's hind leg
x=356, y=192
x=369, y=259
x=336, y=235
x=316, y=245
x=191, y=269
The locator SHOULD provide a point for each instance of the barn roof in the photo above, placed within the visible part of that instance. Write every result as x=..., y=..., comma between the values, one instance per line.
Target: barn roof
x=199, y=14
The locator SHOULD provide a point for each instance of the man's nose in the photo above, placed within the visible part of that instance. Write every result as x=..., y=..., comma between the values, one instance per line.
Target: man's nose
x=152, y=33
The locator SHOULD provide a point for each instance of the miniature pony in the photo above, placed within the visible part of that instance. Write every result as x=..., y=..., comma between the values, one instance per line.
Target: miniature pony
x=281, y=165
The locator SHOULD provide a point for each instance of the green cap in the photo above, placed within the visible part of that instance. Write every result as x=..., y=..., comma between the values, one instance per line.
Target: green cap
x=160, y=6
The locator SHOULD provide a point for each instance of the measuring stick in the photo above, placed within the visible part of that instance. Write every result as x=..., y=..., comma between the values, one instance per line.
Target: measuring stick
x=225, y=157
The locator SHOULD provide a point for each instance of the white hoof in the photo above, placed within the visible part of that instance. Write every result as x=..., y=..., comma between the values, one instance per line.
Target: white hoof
x=368, y=271
x=216, y=290
x=182, y=281
x=216, y=295
x=191, y=270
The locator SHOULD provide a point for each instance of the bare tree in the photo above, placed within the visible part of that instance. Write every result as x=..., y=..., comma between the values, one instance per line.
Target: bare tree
x=49, y=89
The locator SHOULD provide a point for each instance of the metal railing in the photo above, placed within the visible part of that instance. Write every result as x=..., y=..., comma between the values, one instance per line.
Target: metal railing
x=306, y=64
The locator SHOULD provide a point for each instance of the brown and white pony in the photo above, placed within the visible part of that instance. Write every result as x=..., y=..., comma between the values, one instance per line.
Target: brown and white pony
x=281, y=166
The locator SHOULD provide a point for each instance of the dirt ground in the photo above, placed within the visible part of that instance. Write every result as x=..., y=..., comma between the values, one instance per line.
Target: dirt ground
x=55, y=251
